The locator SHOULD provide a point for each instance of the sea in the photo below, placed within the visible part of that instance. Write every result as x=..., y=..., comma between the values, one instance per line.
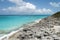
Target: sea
x=10, y=22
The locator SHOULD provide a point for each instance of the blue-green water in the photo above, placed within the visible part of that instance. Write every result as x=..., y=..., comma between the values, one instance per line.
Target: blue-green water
x=12, y=22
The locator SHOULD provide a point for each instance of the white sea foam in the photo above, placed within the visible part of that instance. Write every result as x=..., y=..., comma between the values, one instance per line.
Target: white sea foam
x=6, y=37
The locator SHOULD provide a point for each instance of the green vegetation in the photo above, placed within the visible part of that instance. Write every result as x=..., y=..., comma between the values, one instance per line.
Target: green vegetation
x=56, y=14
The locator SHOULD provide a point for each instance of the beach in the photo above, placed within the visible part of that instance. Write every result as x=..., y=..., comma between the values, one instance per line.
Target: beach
x=42, y=29
x=7, y=36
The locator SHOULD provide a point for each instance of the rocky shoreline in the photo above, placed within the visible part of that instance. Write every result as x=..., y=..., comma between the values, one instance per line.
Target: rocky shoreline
x=45, y=29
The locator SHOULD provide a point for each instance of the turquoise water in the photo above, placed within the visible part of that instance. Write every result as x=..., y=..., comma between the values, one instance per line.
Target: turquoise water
x=12, y=22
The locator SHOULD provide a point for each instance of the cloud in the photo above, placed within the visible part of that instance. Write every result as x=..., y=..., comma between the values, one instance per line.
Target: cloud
x=25, y=7
x=54, y=4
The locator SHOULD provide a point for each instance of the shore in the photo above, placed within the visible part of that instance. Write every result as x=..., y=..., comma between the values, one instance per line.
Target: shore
x=44, y=29
x=7, y=36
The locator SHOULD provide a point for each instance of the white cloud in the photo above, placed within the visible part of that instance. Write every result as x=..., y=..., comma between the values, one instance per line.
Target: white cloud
x=25, y=7
x=54, y=4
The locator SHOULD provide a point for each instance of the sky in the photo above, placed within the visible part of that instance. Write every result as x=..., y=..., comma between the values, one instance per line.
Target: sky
x=29, y=7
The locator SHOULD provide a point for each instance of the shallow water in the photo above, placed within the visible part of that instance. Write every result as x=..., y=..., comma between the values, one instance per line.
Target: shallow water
x=11, y=22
